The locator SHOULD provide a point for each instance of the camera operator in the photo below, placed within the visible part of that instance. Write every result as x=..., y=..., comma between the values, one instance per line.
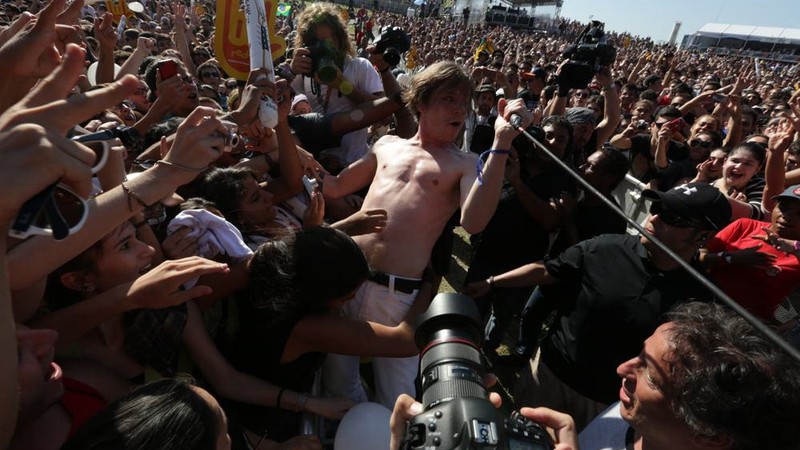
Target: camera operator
x=322, y=42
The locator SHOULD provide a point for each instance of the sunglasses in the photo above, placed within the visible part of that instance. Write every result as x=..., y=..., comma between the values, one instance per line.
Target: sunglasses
x=56, y=211
x=700, y=143
x=209, y=74
x=673, y=219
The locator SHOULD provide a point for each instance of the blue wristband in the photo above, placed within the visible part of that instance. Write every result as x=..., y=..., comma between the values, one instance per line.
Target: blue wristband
x=486, y=154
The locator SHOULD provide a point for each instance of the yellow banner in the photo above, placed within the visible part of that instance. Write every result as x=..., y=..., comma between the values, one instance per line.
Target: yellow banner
x=230, y=41
x=118, y=8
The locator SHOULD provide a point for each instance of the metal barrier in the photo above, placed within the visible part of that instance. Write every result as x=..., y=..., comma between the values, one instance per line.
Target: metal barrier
x=629, y=196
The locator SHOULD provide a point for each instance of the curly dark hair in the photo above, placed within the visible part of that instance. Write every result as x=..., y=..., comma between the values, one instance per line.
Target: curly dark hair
x=296, y=275
x=726, y=379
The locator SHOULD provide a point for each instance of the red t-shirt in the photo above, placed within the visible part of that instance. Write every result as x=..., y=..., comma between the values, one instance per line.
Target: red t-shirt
x=759, y=290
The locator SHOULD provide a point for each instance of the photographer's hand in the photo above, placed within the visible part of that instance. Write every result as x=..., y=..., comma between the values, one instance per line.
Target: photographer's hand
x=301, y=61
x=562, y=426
x=405, y=408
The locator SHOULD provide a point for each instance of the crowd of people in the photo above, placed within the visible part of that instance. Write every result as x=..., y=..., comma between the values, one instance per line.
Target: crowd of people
x=175, y=273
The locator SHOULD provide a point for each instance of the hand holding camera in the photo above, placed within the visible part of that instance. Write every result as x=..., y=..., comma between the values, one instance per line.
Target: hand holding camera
x=456, y=411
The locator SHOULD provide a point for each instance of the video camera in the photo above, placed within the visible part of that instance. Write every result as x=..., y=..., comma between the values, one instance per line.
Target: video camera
x=586, y=57
x=392, y=43
x=458, y=413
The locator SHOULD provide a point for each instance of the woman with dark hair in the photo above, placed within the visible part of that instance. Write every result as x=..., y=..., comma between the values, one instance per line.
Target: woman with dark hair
x=741, y=180
x=135, y=337
x=166, y=414
x=250, y=207
x=291, y=319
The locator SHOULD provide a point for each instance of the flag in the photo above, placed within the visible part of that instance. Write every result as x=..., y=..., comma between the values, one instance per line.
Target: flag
x=284, y=10
x=486, y=44
x=230, y=40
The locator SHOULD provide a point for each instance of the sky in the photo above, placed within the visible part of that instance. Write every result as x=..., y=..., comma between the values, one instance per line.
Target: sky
x=655, y=18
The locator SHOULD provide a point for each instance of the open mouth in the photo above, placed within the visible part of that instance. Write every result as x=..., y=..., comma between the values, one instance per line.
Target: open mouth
x=145, y=269
x=54, y=373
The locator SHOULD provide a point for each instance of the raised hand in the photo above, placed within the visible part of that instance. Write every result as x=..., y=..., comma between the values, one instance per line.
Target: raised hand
x=161, y=286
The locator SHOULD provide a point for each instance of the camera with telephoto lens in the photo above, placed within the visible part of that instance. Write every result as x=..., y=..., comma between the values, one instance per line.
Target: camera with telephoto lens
x=586, y=57
x=392, y=43
x=323, y=61
x=458, y=413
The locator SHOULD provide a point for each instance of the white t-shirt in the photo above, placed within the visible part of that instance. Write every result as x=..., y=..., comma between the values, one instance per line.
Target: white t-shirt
x=360, y=72
x=606, y=432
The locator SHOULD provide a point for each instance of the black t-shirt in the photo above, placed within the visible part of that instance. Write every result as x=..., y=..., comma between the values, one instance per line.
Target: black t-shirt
x=513, y=237
x=314, y=132
x=610, y=298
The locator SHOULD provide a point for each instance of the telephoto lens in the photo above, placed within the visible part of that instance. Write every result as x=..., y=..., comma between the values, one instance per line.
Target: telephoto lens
x=457, y=411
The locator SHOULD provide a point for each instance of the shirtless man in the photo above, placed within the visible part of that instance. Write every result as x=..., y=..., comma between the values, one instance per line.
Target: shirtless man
x=420, y=182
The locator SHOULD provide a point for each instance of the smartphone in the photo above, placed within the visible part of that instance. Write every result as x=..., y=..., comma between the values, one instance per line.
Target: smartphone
x=168, y=69
x=311, y=184
x=677, y=123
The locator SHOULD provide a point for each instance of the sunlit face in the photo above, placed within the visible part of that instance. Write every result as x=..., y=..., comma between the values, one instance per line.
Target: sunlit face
x=580, y=97
x=556, y=139
x=643, y=403
x=302, y=107
x=485, y=103
x=642, y=111
x=256, y=210
x=740, y=167
x=717, y=158
x=123, y=257
x=39, y=378
x=627, y=97
x=139, y=97
x=705, y=123
x=223, y=439
x=445, y=112
x=700, y=147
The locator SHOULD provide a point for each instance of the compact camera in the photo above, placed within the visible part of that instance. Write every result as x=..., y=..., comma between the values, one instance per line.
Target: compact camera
x=586, y=57
x=391, y=44
x=458, y=413
x=232, y=137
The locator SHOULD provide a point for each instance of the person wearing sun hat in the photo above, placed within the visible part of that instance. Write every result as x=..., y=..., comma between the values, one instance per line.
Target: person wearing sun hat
x=758, y=263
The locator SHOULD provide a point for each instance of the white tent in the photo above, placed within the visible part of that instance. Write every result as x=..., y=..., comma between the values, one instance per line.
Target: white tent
x=750, y=33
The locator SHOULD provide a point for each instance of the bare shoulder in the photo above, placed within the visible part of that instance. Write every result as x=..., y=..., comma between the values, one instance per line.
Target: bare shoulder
x=389, y=142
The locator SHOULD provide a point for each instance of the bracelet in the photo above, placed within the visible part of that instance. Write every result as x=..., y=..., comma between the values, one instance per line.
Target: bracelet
x=301, y=402
x=280, y=395
x=479, y=164
x=180, y=166
x=490, y=280
x=131, y=196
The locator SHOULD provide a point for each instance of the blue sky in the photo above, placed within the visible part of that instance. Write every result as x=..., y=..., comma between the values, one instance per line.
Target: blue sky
x=655, y=18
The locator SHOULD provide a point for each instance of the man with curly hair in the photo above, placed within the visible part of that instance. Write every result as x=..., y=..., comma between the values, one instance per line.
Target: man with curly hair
x=322, y=41
x=705, y=379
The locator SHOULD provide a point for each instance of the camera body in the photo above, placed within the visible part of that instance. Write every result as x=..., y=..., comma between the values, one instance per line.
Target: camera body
x=586, y=57
x=323, y=61
x=458, y=413
x=391, y=44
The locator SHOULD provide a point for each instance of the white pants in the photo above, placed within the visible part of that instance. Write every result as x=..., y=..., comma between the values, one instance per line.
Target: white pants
x=393, y=376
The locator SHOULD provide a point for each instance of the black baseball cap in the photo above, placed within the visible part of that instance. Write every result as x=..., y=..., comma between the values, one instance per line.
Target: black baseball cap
x=699, y=201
